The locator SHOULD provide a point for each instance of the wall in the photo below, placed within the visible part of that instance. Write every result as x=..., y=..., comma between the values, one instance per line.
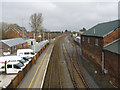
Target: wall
x=112, y=62
x=112, y=36
x=90, y=50
x=1, y=51
x=11, y=34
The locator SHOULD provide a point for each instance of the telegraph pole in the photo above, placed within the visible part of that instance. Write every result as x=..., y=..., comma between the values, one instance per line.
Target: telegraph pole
x=48, y=36
x=43, y=36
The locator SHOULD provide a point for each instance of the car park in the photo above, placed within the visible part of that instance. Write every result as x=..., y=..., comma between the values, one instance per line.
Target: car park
x=10, y=59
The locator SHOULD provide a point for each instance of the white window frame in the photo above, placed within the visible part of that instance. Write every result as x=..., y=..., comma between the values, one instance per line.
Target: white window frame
x=96, y=42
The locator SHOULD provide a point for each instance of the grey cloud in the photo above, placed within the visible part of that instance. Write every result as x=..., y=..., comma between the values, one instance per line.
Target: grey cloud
x=61, y=15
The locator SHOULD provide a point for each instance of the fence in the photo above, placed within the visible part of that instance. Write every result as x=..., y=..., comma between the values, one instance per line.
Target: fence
x=16, y=81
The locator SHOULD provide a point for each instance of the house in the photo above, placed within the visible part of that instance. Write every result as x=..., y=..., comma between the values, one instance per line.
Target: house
x=15, y=31
x=11, y=45
x=112, y=60
x=30, y=35
x=1, y=49
x=93, y=40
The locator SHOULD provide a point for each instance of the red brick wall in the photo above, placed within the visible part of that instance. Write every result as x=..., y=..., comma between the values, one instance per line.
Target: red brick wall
x=12, y=34
x=112, y=36
x=90, y=50
x=1, y=51
x=30, y=34
x=112, y=62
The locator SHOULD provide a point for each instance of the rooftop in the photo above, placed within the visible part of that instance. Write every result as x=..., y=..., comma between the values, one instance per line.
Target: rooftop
x=113, y=47
x=13, y=42
x=103, y=29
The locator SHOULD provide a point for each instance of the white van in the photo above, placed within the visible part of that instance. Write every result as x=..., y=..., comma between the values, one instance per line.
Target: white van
x=25, y=53
x=11, y=59
x=13, y=67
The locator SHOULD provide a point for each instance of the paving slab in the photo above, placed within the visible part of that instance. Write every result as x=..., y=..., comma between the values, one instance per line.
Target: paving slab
x=35, y=77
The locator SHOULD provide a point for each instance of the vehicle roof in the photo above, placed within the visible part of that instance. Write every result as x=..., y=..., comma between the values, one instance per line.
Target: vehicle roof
x=10, y=58
x=78, y=37
x=25, y=50
x=13, y=62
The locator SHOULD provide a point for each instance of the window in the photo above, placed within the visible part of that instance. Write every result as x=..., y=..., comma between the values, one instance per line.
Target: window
x=32, y=53
x=96, y=42
x=88, y=40
x=26, y=53
x=3, y=67
x=83, y=39
x=9, y=66
x=17, y=67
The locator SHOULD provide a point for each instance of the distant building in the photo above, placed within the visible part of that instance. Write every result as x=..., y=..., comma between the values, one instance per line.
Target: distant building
x=15, y=31
x=30, y=35
x=11, y=45
x=31, y=41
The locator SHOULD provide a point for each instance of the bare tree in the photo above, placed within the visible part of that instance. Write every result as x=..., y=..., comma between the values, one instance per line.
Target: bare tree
x=3, y=27
x=36, y=22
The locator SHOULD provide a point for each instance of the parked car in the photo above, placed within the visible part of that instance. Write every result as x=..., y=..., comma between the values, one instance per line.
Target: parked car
x=27, y=58
x=6, y=53
x=8, y=59
x=23, y=61
x=25, y=53
x=14, y=67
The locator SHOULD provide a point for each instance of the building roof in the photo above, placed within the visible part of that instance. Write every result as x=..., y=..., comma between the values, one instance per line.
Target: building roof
x=103, y=29
x=113, y=47
x=2, y=45
x=13, y=42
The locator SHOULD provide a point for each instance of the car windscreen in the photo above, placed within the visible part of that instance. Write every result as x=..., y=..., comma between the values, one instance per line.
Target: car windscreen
x=32, y=53
x=26, y=53
x=20, y=64
x=25, y=58
x=22, y=60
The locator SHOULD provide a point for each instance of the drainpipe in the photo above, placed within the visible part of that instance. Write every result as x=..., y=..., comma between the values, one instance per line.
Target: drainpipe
x=102, y=62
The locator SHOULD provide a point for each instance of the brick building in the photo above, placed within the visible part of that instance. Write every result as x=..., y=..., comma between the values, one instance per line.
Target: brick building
x=3, y=47
x=15, y=31
x=112, y=60
x=93, y=40
x=11, y=45
x=30, y=35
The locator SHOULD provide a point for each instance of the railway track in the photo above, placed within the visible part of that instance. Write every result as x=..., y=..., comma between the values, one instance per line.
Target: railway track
x=75, y=46
x=74, y=69
x=51, y=78
x=54, y=79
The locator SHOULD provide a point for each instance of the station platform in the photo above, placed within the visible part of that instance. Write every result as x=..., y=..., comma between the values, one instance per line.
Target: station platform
x=35, y=77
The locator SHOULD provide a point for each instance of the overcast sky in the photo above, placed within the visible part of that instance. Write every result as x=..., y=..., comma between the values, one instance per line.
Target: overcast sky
x=59, y=15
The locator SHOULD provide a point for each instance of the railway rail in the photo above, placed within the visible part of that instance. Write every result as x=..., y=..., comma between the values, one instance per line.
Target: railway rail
x=53, y=79
x=74, y=69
